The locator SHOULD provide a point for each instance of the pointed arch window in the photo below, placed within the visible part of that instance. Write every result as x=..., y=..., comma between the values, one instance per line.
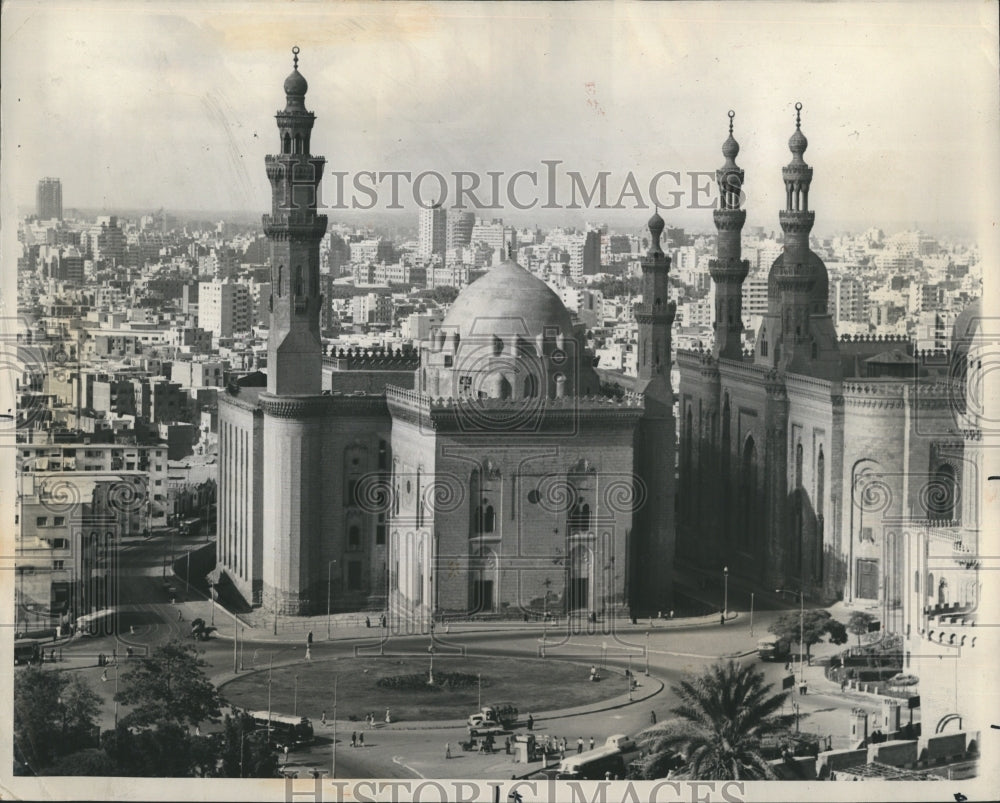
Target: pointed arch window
x=579, y=516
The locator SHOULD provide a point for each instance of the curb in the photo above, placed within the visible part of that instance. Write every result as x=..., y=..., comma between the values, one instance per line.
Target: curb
x=611, y=704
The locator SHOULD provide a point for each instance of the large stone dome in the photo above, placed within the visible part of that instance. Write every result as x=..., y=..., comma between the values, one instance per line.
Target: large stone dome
x=507, y=301
x=507, y=336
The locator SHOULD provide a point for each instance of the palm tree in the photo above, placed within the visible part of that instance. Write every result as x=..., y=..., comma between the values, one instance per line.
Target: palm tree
x=716, y=730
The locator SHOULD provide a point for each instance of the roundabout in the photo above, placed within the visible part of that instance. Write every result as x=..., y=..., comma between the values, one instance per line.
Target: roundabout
x=461, y=686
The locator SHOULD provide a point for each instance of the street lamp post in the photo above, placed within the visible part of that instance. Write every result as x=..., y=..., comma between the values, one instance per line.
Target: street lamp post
x=329, y=585
x=647, y=653
x=295, y=698
x=751, y=614
x=430, y=674
x=270, y=661
x=629, y=678
x=479, y=678
x=333, y=772
x=725, y=592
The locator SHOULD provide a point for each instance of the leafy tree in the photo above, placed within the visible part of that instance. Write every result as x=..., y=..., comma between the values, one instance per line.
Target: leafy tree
x=244, y=751
x=168, y=686
x=716, y=730
x=160, y=752
x=54, y=713
x=815, y=625
x=92, y=761
x=858, y=623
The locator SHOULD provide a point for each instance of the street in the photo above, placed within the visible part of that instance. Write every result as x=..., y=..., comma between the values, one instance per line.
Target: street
x=406, y=749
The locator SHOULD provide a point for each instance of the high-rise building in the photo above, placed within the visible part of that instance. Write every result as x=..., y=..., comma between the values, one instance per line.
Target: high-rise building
x=48, y=199
x=459, y=229
x=432, y=233
x=224, y=308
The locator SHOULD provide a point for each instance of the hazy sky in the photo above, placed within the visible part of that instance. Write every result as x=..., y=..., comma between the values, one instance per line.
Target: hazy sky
x=142, y=105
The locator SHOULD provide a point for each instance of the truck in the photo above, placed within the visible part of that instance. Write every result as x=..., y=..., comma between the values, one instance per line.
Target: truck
x=492, y=719
x=773, y=649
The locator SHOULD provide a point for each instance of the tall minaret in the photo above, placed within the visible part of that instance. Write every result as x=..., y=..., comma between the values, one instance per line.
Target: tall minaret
x=795, y=279
x=295, y=500
x=652, y=547
x=729, y=270
x=294, y=350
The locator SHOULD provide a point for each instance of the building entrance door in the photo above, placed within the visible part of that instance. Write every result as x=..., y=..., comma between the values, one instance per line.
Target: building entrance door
x=867, y=579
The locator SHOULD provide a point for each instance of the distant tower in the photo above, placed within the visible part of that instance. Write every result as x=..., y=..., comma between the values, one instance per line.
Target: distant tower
x=729, y=270
x=432, y=233
x=48, y=199
x=294, y=350
x=653, y=542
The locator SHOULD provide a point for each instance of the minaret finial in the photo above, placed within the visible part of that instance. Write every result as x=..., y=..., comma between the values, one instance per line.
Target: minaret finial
x=798, y=115
x=732, y=114
x=295, y=57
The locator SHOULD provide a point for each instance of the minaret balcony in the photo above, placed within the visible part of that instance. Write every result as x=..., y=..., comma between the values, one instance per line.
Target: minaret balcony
x=729, y=219
x=796, y=221
x=730, y=271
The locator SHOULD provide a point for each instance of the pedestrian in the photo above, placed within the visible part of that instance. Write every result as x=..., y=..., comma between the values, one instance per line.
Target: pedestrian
x=388, y=719
x=722, y=618
x=354, y=738
x=322, y=719
x=180, y=615
x=671, y=613
x=368, y=621
x=531, y=722
x=447, y=749
x=607, y=775
x=579, y=744
x=506, y=745
x=652, y=717
x=309, y=638
x=104, y=676
x=591, y=742
x=361, y=739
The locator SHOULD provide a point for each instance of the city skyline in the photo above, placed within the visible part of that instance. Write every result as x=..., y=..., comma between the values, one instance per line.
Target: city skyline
x=469, y=98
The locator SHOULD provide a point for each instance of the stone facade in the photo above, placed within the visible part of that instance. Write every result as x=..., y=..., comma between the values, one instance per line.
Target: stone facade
x=818, y=447
x=479, y=472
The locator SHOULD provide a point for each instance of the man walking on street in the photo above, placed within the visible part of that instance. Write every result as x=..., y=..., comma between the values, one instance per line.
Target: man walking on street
x=579, y=744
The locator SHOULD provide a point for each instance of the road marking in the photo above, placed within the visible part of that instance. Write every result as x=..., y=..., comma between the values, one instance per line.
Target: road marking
x=399, y=760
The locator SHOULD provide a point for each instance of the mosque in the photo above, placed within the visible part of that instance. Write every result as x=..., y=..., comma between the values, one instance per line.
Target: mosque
x=829, y=449
x=482, y=471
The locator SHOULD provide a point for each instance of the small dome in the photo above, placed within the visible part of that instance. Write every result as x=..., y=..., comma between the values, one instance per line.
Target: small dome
x=295, y=84
x=656, y=225
x=966, y=324
x=820, y=292
x=731, y=148
x=798, y=143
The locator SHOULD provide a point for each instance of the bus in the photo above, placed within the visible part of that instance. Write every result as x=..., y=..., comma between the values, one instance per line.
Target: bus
x=27, y=651
x=773, y=649
x=98, y=623
x=285, y=730
x=611, y=760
